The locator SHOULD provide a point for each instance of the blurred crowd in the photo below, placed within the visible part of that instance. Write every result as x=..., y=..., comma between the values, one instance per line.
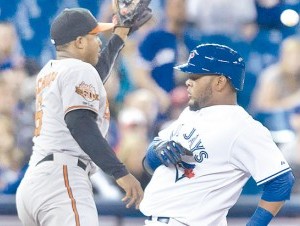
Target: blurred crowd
x=144, y=91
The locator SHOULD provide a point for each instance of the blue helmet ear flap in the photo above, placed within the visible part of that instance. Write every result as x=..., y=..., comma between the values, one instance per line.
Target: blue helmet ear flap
x=216, y=59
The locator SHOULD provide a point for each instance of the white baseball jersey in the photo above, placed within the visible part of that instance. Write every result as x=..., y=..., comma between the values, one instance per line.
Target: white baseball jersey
x=63, y=86
x=228, y=147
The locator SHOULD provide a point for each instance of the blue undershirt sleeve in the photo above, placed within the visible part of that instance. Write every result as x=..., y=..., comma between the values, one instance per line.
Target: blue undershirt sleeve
x=279, y=189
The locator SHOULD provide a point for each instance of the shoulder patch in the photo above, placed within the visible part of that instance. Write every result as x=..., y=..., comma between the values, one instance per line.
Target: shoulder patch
x=88, y=92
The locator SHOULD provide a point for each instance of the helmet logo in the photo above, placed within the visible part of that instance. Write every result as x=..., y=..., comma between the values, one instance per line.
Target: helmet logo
x=192, y=54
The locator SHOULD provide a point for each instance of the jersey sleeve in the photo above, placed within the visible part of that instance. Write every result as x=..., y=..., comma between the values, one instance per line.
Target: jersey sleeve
x=255, y=152
x=80, y=89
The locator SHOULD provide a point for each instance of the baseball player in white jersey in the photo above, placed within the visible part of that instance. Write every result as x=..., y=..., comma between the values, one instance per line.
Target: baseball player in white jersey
x=72, y=119
x=202, y=161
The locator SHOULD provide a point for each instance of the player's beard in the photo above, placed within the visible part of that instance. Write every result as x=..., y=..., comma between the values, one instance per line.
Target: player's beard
x=203, y=100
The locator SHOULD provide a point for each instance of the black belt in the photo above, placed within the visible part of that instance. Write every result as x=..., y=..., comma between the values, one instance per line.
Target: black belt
x=51, y=158
x=160, y=219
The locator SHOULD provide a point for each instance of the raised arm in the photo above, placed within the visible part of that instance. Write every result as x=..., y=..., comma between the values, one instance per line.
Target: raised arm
x=110, y=53
x=137, y=14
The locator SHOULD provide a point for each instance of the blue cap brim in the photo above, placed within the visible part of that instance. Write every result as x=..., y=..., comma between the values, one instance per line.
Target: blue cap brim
x=183, y=67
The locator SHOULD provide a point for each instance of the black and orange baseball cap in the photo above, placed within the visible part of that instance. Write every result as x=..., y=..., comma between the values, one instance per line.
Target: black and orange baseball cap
x=74, y=22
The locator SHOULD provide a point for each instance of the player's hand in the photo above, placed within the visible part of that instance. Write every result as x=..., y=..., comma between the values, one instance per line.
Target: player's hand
x=131, y=14
x=132, y=187
x=169, y=152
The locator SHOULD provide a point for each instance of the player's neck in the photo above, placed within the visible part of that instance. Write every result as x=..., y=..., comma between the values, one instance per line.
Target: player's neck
x=60, y=55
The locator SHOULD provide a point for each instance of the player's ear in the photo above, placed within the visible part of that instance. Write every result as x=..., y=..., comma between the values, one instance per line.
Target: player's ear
x=221, y=82
x=79, y=42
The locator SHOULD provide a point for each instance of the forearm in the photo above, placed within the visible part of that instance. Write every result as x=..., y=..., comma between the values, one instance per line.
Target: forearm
x=264, y=213
x=85, y=131
x=275, y=193
x=272, y=207
x=151, y=161
x=108, y=57
x=122, y=32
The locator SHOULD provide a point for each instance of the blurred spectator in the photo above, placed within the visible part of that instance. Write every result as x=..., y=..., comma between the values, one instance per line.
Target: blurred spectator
x=145, y=101
x=279, y=84
x=291, y=151
x=11, y=156
x=271, y=31
x=179, y=101
x=270, y=14
x=260, y=42
x=10, y=84
x=133, y=141
x=160, y=51
x=221, y=17
x=10, y=55
x=8, y=98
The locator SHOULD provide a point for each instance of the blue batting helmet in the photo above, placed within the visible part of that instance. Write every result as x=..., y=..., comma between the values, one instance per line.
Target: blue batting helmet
x=215, y=59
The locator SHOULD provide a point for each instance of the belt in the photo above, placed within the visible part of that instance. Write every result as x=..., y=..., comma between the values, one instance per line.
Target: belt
x=160, y=219
x=51, y=158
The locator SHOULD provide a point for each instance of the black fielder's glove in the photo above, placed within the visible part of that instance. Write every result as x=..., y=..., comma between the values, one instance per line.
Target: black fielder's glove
x=169, y=152
x=132, y=13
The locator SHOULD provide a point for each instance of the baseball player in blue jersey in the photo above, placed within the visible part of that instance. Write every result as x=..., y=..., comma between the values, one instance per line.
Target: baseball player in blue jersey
x=201, y=162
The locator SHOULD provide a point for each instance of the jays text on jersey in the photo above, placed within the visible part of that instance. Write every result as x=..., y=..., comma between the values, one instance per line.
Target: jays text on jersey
x=228, y=147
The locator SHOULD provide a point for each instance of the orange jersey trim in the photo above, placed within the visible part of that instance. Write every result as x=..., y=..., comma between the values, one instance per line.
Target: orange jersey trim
x=73, y=201
x=80, y=107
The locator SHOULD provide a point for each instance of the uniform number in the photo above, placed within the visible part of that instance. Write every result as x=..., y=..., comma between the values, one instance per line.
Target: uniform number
x=38, y=116
x=38, y=123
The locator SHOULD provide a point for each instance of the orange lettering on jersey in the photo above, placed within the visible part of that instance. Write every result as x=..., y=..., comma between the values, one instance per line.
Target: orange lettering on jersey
x=107, y=112
x=45, y=81
x=88, y=92
x=42, y=83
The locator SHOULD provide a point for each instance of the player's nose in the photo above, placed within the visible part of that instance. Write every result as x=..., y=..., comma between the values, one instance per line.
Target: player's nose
x=188, y=82
x=99, y=41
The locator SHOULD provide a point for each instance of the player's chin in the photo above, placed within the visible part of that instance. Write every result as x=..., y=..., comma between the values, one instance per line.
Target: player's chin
x=193, y=105
x=94, y=61
x=191, y=102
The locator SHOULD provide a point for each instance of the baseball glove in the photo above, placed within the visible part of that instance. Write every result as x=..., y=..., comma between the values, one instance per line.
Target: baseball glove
x=169, y=152
x=132, y=13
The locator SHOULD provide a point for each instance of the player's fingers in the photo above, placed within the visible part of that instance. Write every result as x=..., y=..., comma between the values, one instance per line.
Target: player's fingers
x=176, y=155
x=171, y=156
x=178, y=147
x=140, y=197
x=127, y=195
x=132, y=199
x=163, y=158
